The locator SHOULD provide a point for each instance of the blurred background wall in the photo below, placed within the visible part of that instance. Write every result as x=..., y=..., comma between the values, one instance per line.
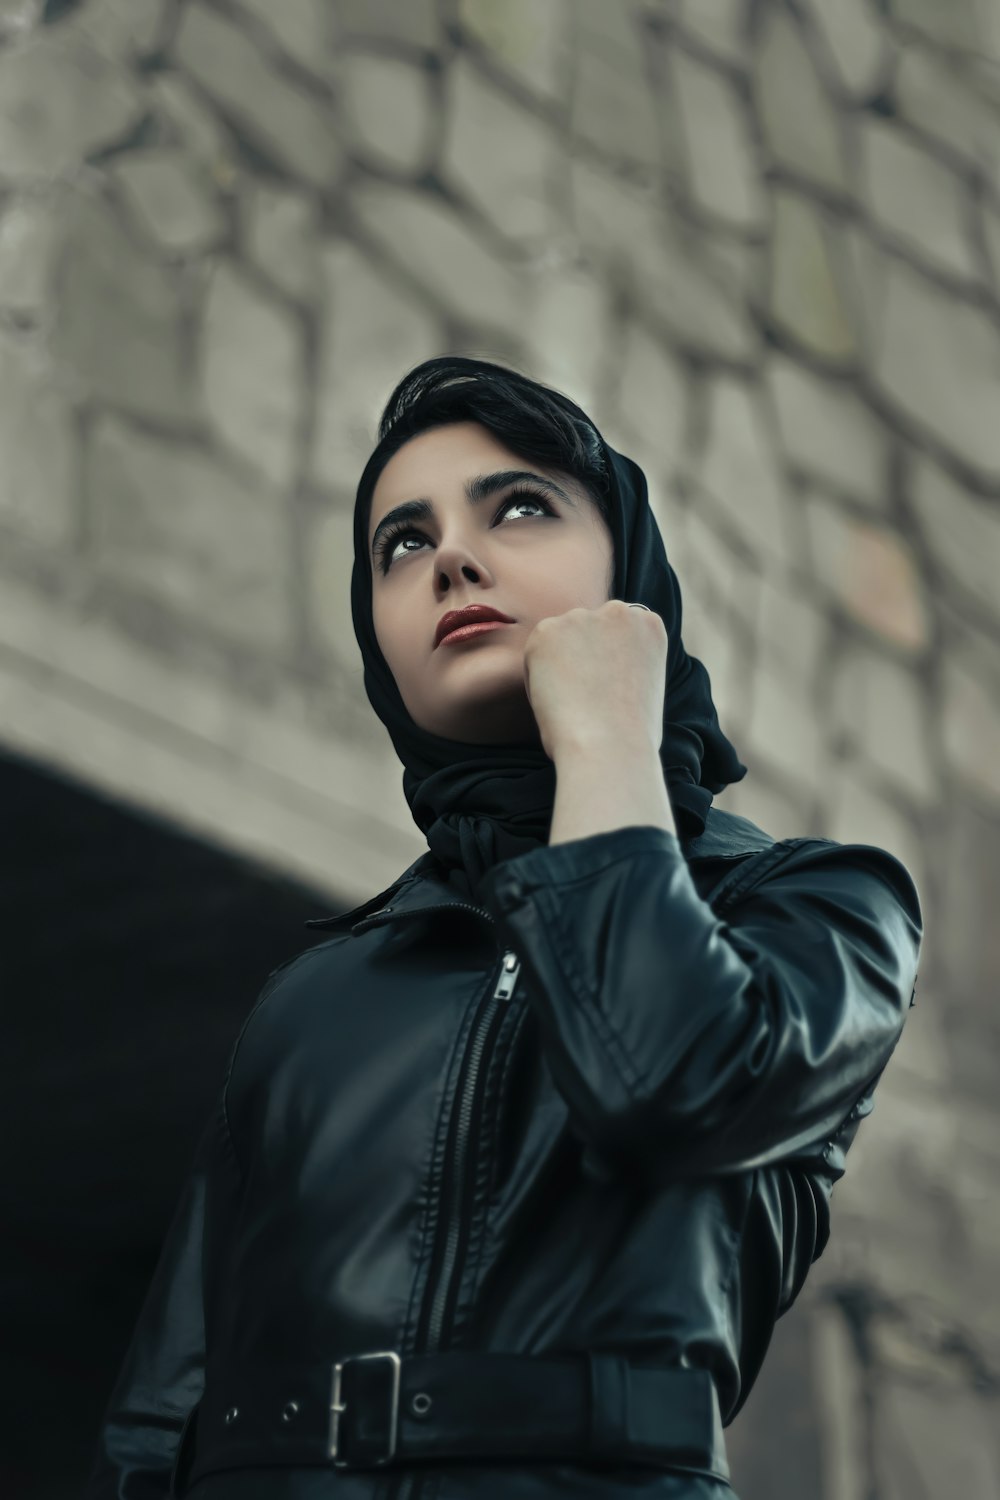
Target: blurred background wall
x=760, y=242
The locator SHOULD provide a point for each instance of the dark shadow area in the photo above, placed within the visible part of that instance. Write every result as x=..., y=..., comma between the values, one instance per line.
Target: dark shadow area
x=132, y=953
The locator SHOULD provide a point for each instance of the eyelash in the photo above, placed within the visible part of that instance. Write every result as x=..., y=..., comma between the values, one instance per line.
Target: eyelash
x=401, y=529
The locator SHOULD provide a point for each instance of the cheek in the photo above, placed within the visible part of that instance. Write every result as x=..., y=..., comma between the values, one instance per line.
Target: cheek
x=571, y=577
x=403, y=649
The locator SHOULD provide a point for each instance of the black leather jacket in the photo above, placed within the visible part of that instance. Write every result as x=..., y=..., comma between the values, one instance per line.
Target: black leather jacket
x=630, y=1147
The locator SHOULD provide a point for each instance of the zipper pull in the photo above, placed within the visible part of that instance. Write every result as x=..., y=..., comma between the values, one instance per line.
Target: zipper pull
x=508, y=976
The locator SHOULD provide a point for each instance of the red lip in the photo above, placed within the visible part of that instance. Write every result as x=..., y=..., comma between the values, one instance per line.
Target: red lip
x=472, y=614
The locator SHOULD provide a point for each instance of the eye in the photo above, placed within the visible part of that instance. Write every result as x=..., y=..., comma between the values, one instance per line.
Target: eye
x=404, y=530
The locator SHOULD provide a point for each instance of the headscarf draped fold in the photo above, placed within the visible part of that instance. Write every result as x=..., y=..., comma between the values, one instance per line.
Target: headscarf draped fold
x=481, y=804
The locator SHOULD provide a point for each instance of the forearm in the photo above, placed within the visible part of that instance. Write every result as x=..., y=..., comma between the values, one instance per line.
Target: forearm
x=606, y=785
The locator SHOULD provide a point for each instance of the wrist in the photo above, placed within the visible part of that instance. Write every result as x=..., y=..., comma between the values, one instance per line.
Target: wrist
x=604, y=783
x=600, y=742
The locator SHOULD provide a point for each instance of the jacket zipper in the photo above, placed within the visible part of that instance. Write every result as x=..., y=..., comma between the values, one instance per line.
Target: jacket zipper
x=457, y=1170
x=475, y=1052
x=445, y=1260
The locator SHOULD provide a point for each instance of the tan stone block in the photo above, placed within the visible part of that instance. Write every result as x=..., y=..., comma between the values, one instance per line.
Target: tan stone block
x=880, y=706
x=528, y=38
x=704, y=557
x=294, y=127
x=863, y=268
x=281, y=236
x=940, y=366
x=122, y=29
x=990, y=221
x=613, y=105
x=857, y=811
x=966, y=26
x=977, y=1161
x=170, y=199
x=984, y=75
x=916, y=199
x=118, y=323
x=500, y=156
x=792, y=629
x=840, y=1405
x=723, y=168
x=933, y=93
x=372, y=333
x=740, y=471
x=921, y=1060
x=905, y=1228
x=415, y=24
x=632, y=230
x=808, y=292
x=721, y=25
x=181, y=110
x=784, y=729
x=716, y=644
x=31, y=226
x=935, y=1441
x=970, y=721
x=252, y=373
x=827, y=431
x=899, y=1187
x=440, y=249
x=963, y=532
x=857, y=45
x=387, y=105
x=568, y=328
x=872, y=572
x=170, y=522
x=38, y=449
x=329, y=558
x=18, y=17
x=301, y=28
x=800, y=124
x=60, y=100
x=652, y=393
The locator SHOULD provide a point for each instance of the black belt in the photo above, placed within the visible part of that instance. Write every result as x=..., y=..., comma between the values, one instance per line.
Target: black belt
x=384, y=1409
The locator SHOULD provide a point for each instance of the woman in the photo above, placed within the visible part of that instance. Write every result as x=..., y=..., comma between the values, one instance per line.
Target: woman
x=513, y=1172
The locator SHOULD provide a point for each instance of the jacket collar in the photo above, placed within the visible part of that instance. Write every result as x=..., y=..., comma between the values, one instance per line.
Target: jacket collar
x=726, y=835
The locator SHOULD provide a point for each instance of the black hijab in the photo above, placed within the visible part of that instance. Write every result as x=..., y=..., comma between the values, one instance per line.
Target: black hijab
x=481, y=804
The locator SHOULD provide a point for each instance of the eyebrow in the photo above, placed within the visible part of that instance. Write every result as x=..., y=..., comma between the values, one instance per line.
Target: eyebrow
x=480, y=487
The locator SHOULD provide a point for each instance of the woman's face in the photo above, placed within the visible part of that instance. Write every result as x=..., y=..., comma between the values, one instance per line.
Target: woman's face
x=528, y=557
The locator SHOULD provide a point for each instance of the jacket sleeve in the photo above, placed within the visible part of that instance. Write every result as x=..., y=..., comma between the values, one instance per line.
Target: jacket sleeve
x=687, y=1045
x=162, y=1375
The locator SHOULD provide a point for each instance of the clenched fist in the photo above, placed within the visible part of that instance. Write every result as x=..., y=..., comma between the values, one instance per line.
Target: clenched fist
x=597, y=675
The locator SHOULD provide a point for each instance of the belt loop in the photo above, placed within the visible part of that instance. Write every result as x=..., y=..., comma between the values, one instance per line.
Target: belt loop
x=608, y=1379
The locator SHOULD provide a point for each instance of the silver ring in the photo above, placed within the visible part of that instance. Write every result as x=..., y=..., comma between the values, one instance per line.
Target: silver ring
x=641, y=606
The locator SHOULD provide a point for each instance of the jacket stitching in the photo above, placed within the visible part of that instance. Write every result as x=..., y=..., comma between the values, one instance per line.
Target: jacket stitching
x=599, y=1021
x=509, y=1043
x=752, y=872
x=470, y=1272
x=430, y=1219
x=746, y=879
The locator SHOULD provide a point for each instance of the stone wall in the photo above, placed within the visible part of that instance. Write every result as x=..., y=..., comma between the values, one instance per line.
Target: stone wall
x=761, y=242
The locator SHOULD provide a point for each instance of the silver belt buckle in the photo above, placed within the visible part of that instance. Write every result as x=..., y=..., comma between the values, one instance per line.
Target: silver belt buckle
x=337, y=1406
